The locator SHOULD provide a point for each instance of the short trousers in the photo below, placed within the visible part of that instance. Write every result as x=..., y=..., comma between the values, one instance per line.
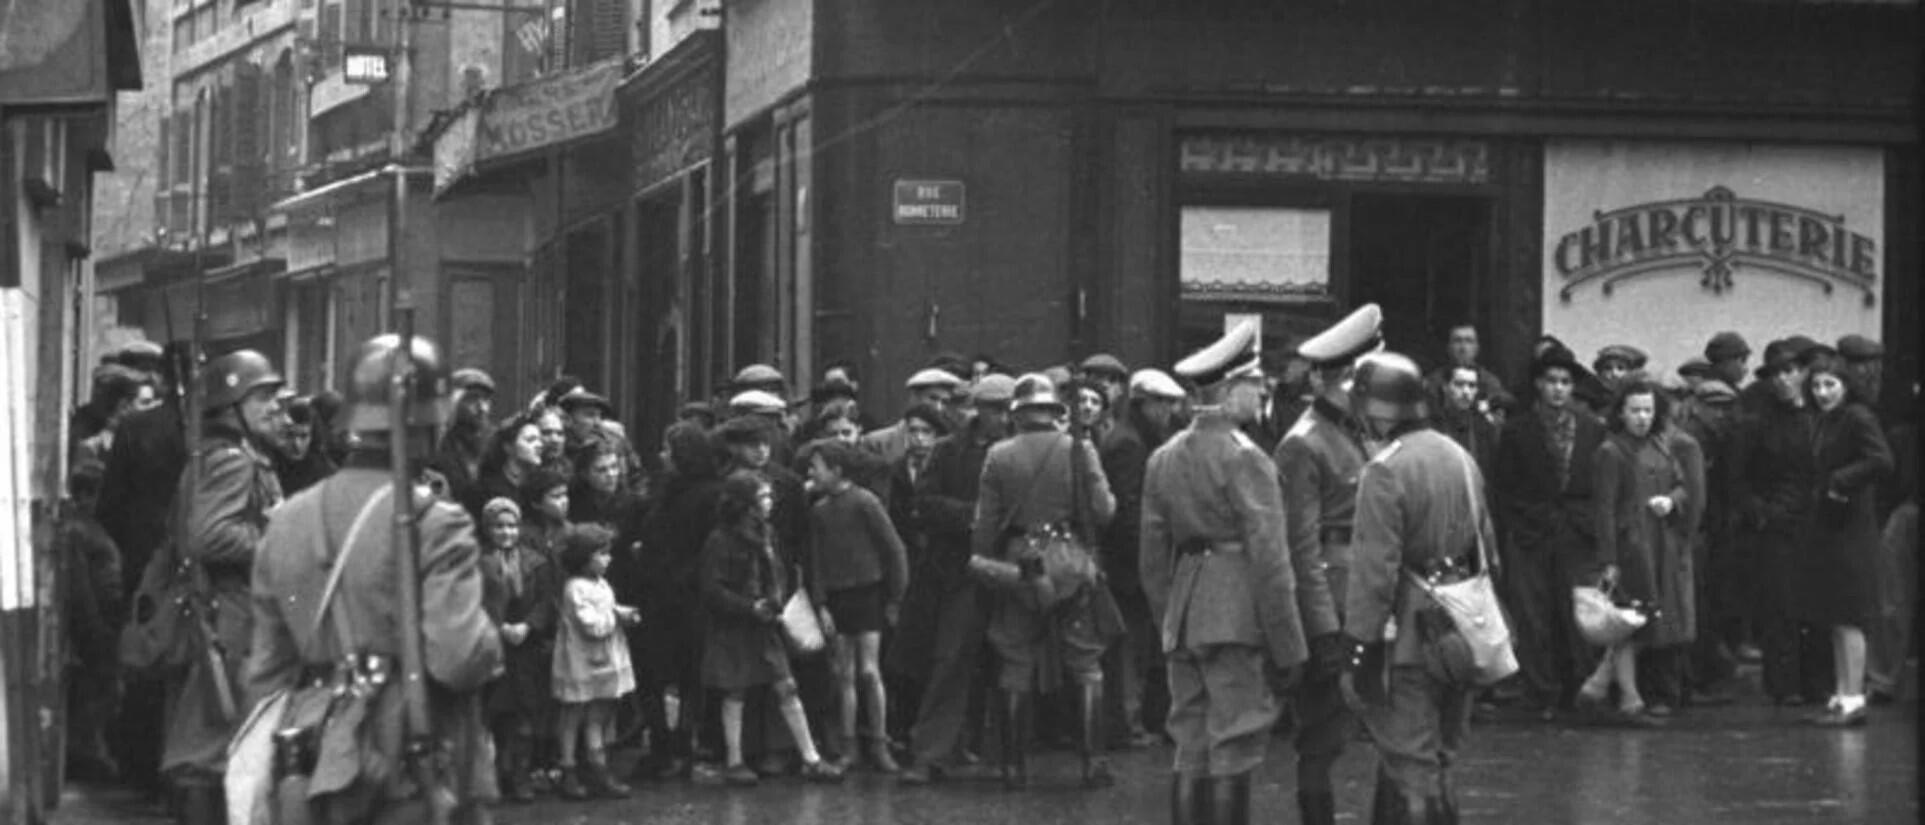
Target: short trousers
x=857, y=609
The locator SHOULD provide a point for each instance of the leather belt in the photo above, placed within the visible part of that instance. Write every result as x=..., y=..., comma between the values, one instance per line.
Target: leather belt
x=1335, y=534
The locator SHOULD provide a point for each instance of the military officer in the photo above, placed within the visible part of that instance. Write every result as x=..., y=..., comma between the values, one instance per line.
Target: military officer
x=1028, y=491
x=1215, y=566
x=325, y=580
x=1317, y=464
x=219, y=512
x=1420, y=513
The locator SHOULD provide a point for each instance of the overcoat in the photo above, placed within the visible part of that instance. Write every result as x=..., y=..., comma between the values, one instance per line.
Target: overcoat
x=526, y=597
x=944, y=505
x=741, y=650
x=1652, y=553
x=1836, y=567
x=1775, y=478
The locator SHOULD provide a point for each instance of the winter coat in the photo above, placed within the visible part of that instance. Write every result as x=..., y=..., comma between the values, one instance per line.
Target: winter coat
x=137, y=489
x=1653, y=554
x=739, y=569
x=1835, y=568
x=1774, y=478
x=1536, y=512
x=1125, y=452
x=524, y=599
x=673, y=538
x=943, y=499
x=591, y=653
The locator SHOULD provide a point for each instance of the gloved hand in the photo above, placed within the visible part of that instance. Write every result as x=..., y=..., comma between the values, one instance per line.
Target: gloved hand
x=1032, y=567
x=1328, y=654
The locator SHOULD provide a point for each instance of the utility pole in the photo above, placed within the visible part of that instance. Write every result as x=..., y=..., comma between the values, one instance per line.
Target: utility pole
x=399, y=144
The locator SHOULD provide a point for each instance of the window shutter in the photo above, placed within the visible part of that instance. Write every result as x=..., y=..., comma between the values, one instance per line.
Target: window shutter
x=250, y=149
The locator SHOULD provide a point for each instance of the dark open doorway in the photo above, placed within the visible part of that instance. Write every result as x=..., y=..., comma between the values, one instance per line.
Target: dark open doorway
x=1425, y=259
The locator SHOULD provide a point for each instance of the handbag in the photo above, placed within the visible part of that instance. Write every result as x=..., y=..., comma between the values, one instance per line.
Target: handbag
x=1600, y=620
x=800, y=627
x=1472, y=606
x=161, y=634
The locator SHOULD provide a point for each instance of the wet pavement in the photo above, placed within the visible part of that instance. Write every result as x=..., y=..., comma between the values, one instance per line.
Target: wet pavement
x=1745, y=764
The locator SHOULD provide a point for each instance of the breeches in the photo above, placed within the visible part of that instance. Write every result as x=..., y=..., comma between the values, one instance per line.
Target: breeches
x=1417, y=728
x=1027, y=640
x=1221, y=709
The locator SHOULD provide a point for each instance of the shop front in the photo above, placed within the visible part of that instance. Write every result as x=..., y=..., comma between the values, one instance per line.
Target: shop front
x=1661, y=245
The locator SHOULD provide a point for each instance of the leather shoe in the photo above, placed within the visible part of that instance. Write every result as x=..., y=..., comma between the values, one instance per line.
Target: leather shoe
x=1841, y=718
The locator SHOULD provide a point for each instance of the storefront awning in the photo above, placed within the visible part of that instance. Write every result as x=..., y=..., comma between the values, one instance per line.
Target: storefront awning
x=519, y=121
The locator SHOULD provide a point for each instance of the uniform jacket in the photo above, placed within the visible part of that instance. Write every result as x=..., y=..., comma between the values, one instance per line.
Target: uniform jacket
x=1210, y=483
x=1317, y=466
x=1026, y=484
x=1414, y=507
x=1539, y=513
x=1653, y=554
x=222, y=514
x=461, y=647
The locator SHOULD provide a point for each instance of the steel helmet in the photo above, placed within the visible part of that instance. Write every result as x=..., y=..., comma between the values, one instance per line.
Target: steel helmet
x=1388, y=385
x=228, y=379
x=371, y=380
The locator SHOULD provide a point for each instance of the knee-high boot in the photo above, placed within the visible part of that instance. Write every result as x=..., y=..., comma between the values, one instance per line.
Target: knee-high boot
x=1012, y=714
x=1317, y=807
x=1387, y=805
x=1190, y=799
x=1230, y=800
x=202, y=803
x=1096, y=766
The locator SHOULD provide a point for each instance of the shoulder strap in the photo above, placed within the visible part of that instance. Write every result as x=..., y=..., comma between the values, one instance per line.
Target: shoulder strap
x=344, y=636
x=1476, y=511
x=1042, y=467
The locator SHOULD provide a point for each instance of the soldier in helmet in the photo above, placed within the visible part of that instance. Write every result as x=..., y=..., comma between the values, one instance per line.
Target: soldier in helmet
x=325, y=613
x=1216, y=568
x=1420, y=514
x=219, y=514
x=1030, y=492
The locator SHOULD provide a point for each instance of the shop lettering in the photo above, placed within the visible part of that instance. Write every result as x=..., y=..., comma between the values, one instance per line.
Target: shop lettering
x=511, y=133
x=1720, y=233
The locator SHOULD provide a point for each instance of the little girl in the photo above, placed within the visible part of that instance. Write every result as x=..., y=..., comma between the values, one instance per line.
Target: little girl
x=518, y=587
x=591, y=666
x=744, y=586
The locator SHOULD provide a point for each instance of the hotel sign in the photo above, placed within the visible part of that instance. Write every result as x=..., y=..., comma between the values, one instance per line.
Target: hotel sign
x=1719, y=235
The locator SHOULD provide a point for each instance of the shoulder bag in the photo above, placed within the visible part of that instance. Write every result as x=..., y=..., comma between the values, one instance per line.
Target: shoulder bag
x=161, y=633
x=1472, y=606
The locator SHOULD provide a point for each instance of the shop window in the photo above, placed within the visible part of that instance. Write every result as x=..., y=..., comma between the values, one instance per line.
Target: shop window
x=1267, y=254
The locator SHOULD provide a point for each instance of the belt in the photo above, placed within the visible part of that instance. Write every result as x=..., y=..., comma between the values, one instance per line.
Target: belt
x=1205, y=547
x=1335, y=534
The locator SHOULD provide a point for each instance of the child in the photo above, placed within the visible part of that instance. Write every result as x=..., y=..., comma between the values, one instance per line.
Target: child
x=861, y=570
x=744, y=587
x=591, y=669
x=517, y=591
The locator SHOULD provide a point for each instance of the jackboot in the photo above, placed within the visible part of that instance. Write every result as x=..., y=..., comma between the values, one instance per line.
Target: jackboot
x=202, y=803
x=1190, y=799
x=1230, y=800
x=1012, y=716
x=1441, y=810
x=1387, y=803
x=1096, y=766
x=1317, y=808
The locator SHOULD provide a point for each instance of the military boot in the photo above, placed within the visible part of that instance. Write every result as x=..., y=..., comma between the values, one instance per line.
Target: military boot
x=1190, y=799
x=1230, y=800
x=1096, y=767
x=1012, y=716
x=1317, y=808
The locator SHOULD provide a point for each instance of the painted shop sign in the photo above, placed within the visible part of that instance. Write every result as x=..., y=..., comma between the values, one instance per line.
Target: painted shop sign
x=1364, y=158
x=526, y=117
x=1718, y=234
x=929, y=202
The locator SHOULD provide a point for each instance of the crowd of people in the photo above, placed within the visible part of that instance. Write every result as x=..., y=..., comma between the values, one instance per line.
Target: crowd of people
x=1764, y=515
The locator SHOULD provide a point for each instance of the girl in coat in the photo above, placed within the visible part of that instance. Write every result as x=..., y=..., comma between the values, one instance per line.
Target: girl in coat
x=1850, y=455
x=744, y=587
x=592, y=669
x=1643, y=551
x=515, y=583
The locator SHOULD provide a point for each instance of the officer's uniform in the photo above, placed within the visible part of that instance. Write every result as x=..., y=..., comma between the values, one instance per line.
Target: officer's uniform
x=1414, y=512
x=1318, y=463
x=1216, y=569
x=296, y=646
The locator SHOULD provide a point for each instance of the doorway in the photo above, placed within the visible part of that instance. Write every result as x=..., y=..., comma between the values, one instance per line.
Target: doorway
x=1425, y=259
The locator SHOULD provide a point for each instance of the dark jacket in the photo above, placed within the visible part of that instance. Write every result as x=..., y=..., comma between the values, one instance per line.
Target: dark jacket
x=525, y=688
x=1539, y=513
x=673, y=536
x=855, y=545
x=1653, y=554
x=137, y=489
x=1473, y=431
x=947, y=504
x=739, y=569
x=1125, y=452
x=1850, y=458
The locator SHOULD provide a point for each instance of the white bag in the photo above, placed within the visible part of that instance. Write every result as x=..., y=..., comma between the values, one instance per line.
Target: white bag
x=250, y=764
x=1473, y=607
x=800, y=627
x=1600, y=621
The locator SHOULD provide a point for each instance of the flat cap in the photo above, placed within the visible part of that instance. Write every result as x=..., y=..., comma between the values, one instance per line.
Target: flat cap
x=758, y=401
x=1104, y=363
x=1726, y=345
x=1630, y=356
x=746, y=429
x=1359, y=332
x=933, y=377
x=580, y=397
x=756, y=375
x=139, y=348
x=1695, y=367
x=469, y=378
x=1714, y=391
x=1558, y=356
x=994, y=388
x=1155, y=383
x=1860, y=348
x=1231, y=357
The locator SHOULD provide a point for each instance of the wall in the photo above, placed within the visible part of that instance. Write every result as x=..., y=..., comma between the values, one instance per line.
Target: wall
x=769, y=54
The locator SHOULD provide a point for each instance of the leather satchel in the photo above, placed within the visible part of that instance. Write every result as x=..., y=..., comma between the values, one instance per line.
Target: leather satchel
x=1472, y=606
x=162, y=633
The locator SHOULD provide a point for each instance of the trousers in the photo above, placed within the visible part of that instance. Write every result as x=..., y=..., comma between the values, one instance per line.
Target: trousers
x=1417, y=723
x=1221, y=709
x=1552, y=658
x=943, y=713
x=1889, y=638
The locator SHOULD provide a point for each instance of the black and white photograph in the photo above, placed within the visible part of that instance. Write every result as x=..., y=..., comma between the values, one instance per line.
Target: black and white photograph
x=902, y=412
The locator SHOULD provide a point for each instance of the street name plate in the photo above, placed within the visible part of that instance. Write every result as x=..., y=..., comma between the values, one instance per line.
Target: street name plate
x=927, y=202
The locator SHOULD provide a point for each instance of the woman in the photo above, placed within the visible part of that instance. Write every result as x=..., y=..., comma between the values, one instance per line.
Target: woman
x=513, y=453
x=1838, y=590
x=599, y=493
x=1643, y=543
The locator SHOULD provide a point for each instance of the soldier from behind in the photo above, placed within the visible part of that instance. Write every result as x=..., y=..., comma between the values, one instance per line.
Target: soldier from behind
x=1216, y=568
x=219, y=514
x=327, y=624
x=1420, y=516
x=1317, y=464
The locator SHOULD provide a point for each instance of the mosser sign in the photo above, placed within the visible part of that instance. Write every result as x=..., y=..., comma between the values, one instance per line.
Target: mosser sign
x=929, y=202
x=1718, y=233
x=548, y=111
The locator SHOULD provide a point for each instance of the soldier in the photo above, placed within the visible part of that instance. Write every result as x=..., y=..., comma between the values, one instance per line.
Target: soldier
x=303, y=621
x=1420, y=512
x=220, y=512
x=1317, y=463
x=1027, y=491
x=1215, y=566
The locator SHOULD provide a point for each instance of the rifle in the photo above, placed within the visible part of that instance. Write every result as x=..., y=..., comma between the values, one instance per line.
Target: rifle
x=202, y=605
x=420, y=746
